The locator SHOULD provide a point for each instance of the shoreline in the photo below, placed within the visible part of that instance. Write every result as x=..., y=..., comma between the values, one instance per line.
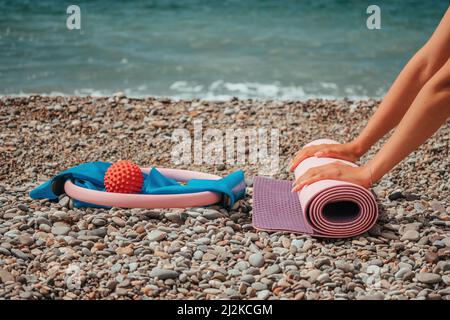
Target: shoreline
x=207, y=253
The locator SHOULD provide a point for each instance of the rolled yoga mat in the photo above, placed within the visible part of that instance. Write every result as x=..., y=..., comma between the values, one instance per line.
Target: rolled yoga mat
x=327, y=208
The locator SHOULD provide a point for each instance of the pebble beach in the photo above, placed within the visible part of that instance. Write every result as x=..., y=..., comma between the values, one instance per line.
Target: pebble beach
x=51, y=250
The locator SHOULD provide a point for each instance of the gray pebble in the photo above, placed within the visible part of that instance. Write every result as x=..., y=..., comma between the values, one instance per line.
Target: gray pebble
x=272, y=269
x=211, y=214
x=163, y=274
x=156, y=235
x=23, y=207
x=411, y=235
x=263, y=295
x=248, y=278
x=258, y=286
x=60, y=229
x=428, y=278
x=20, y=254
x=256, y=260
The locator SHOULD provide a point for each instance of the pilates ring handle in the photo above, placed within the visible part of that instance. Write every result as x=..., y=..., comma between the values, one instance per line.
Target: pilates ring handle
x=149, y=201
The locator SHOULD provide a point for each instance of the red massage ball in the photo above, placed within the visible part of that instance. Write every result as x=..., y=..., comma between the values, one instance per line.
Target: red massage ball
x=124, y=177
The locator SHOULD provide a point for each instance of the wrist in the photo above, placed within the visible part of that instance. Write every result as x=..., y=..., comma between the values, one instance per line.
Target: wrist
x=368, y=175
x=358, y=147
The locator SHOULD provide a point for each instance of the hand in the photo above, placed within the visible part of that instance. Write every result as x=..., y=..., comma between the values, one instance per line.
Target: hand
x=335, y=171
x=347, y=151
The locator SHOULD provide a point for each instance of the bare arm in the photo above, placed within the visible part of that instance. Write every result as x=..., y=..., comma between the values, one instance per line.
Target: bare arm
x=424, y=64
x=428, y=112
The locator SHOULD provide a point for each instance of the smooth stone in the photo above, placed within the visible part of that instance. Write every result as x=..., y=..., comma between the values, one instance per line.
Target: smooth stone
x=133, y=266
x=60, y=229
x=45, y=228
x=163, y=274
x=263, y=295
x=231, y=292
x=308, y=244
x=248, y=278
x=258, y=286
x=100, y=232
x=64, y=201
x=396, y=195
x=174, y=217
x=297, y=243
x=26, y=240
x=321, y=262
x=256, y=260
x=412, y=197
x=376, y=296
x=119, y=221
x=272, y=269
x=324, y=277
x=443, y=266
x=6, y=276
x=428, y=278
x=211, y=214
x=446, y=241
x=4, y=251
x=25, y=295
x=344, y=266
x=20, y=254
x=242, y=265
x=313, y=275
x=431, y=257
x=60, y=216
x=23, y=207
x=411, y=235
x=212, y=291
x=198, y=255
x=376, y=262
x=408, y=276
x=203, y=241
x=304, y=284
x=209, y=257
x=156, y=235
x=405, y=265
x=389, y=235
x=43, y=220
x=116, y=268
x=401, y=272
x=98, y=222
x=437, y=206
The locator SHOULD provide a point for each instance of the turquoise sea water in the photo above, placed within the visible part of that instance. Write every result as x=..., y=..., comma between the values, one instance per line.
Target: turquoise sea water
x=280, y=49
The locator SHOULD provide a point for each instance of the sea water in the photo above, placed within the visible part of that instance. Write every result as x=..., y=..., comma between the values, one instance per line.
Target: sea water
x=266, y=49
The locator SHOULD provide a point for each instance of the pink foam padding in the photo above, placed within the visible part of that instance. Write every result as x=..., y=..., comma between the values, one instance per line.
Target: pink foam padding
x=327, y=208
x=149, y=201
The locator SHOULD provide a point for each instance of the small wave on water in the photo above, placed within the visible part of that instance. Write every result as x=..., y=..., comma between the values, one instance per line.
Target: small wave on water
x=222, y=91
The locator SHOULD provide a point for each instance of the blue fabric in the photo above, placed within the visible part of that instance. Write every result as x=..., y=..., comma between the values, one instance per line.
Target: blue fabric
x=90, y=175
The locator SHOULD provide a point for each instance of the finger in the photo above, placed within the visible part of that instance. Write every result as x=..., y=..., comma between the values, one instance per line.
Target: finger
x=302, y=155
x=327, y=171
x=332, y=154
x=307, y=182
x=294, y=161
x=308, y=175
x=302, y=178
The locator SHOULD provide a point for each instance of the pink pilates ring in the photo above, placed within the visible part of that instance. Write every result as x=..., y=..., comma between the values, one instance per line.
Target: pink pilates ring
x=149, y=201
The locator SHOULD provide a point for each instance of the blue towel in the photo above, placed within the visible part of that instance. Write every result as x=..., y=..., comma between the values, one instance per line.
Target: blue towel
x=90, y=175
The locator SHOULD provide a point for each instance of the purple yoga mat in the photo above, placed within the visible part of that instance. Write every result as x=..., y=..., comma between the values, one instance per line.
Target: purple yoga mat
x=327, y=208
